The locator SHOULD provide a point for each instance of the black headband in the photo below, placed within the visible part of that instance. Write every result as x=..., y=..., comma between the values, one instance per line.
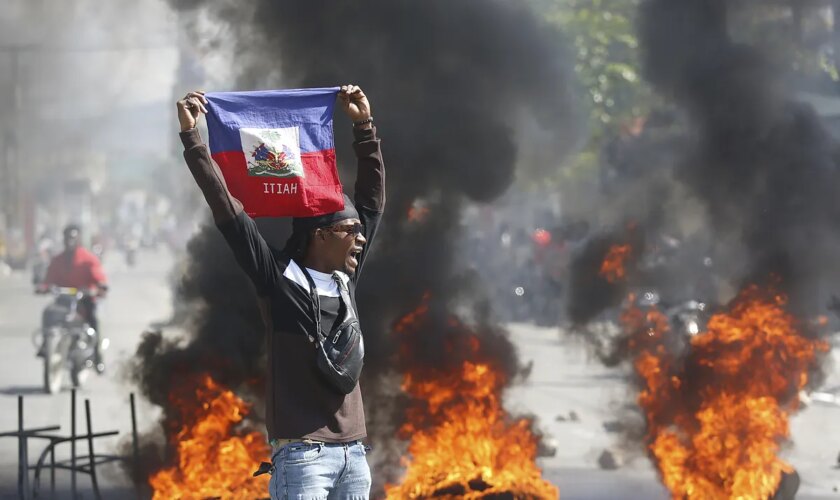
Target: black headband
x=306, y=224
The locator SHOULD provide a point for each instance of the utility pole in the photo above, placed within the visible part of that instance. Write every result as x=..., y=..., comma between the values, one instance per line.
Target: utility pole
x=12, y=201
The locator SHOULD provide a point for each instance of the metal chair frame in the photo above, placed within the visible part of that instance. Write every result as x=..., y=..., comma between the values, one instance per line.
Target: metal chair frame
x=85, y=464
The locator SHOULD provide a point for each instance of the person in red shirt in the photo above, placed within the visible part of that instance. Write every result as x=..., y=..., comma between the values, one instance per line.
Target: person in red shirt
x=77, y=267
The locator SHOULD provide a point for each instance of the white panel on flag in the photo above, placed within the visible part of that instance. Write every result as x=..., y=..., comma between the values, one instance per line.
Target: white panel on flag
x=272, y=152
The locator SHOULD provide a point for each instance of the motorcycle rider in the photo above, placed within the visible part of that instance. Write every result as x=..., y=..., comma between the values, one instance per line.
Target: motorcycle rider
x=76, y=267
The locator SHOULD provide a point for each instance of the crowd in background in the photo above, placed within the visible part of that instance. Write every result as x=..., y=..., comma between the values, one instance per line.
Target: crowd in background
x=522, y=250
x=137, y=220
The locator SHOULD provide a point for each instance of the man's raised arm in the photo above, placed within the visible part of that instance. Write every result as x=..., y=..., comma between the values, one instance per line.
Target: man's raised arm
x=370, y=177
x=369, y=195
x=241, y=233
x=205, y=172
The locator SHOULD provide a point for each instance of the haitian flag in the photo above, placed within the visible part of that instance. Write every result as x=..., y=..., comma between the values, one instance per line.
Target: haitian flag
x=275, y=150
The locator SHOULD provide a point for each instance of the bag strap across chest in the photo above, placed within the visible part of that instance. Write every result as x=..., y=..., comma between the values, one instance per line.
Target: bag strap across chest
x=344, y=292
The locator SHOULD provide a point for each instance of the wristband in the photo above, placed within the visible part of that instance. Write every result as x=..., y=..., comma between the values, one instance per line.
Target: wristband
x=359, y=123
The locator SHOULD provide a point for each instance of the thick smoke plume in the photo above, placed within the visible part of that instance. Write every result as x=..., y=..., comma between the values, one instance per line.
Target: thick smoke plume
x=755, y=180
x=763, y=165
x=452, y=85
x=750, y=195
x=757, y=173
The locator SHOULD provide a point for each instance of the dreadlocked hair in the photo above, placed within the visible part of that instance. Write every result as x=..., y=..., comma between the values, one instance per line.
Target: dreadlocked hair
x=297, y=245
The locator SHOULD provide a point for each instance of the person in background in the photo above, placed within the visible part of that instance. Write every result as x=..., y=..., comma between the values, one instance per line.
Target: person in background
x=76, y=267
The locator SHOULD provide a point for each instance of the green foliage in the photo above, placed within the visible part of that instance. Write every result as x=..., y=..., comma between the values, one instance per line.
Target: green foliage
x=607, y=62
x=602, y=36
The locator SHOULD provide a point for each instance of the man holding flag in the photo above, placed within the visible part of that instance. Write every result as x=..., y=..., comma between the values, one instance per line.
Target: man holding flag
x=274, y=151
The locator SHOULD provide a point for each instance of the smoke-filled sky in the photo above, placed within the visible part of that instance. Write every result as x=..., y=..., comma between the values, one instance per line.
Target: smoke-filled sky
x=752, y=172
x=92, y=77
x=762, y=165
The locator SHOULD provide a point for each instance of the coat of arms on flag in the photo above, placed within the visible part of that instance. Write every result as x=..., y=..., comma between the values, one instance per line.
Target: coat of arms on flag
x=275, y=150
x=272, y=152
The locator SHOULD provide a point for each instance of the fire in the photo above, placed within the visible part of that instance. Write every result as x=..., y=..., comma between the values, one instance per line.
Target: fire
x=418, y=211
x=717, y=414
x=214, y=459
x=462, y=442
x=612, y=268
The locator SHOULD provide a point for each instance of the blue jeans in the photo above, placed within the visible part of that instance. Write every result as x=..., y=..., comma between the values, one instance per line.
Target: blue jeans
x=320, y=471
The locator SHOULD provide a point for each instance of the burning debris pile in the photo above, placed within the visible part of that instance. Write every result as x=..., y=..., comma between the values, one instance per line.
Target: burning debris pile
x=462, y=444
x=208, y=443
x=717, y=412
x=716, y=401
x=214, y=458
x=435, y=102
x=760, y=176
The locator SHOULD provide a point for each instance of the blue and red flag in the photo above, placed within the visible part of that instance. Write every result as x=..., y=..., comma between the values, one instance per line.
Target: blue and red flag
x=276, y=151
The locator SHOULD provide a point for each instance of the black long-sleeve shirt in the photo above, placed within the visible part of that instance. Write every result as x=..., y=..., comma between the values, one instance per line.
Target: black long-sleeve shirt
x=299, y=404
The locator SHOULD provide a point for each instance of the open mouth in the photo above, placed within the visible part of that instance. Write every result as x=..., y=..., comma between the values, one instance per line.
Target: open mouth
x=354, y=257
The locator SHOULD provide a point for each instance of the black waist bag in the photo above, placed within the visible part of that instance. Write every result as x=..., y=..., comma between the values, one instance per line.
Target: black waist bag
x=340, y=356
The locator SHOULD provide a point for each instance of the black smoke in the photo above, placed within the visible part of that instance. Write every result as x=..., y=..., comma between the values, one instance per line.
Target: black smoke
x=763, y=165
x=452, y=87
x=224, y=337
x=593, y=292
x=757, y=167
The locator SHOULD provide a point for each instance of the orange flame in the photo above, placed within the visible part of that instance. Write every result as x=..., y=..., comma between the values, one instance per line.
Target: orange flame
x=716, y=417
x=214, y=460
x=417, y=213
x=462, y=442
x=612, y=268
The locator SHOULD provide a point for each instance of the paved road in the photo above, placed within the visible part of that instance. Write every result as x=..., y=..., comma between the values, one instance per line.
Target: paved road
x=138, y=296
x=563, y=379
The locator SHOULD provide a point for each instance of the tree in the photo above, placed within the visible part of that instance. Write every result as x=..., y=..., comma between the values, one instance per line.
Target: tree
x=602, y=36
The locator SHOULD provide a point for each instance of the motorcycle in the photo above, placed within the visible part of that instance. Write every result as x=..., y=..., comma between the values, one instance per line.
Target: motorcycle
x=66, y=340
x=689, y=317
x=686, y=319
